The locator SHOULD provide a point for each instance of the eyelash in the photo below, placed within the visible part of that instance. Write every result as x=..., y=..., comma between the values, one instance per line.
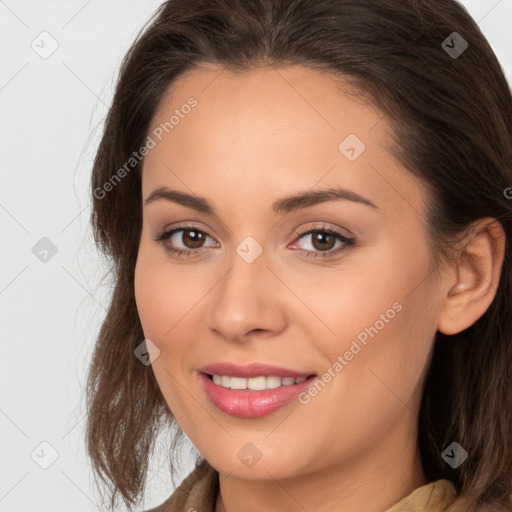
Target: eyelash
x=348, y=242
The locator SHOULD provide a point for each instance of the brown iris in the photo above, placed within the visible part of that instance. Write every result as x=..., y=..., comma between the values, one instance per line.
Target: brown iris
x=324, y=240
x=192, y=238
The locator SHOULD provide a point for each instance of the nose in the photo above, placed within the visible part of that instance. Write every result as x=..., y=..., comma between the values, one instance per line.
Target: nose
x=247, y=302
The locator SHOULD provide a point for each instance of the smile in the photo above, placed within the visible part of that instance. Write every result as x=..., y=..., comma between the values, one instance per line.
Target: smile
x=253, y=397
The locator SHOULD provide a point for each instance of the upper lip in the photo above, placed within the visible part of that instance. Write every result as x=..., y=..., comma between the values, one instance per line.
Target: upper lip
x=251, y=370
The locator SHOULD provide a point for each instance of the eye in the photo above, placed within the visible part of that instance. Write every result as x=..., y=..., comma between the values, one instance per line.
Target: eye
x=191, y=238
x=323, y=240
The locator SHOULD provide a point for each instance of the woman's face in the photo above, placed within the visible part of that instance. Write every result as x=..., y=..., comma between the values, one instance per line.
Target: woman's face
x=336, y=285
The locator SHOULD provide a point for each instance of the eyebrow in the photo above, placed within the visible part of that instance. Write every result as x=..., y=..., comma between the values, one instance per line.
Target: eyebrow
x=285, y=205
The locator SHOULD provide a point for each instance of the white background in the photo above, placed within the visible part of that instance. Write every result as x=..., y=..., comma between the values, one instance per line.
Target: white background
x=51, y=113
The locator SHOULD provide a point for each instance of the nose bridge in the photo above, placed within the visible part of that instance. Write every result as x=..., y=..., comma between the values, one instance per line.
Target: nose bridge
x=242, y=301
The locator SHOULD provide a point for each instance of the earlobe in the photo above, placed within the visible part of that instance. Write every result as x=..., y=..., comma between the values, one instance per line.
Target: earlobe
x=477, y=275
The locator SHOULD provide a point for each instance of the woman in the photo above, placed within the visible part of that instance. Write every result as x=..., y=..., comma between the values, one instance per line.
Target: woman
x=307, y=206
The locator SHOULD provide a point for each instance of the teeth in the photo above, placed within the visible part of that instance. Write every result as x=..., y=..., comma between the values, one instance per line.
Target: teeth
x=255, y=383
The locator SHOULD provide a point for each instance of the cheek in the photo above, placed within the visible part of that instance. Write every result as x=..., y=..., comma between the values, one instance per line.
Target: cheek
x=382, y=316
x=161, y=293
x=158, y=305
x=159, y=309
x=149, y=297
x=165, y=304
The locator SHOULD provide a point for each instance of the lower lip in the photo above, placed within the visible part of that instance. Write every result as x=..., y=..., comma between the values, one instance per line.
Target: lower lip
x=245, y=403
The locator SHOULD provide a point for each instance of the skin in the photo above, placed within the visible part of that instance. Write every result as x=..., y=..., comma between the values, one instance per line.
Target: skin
x=254, y=138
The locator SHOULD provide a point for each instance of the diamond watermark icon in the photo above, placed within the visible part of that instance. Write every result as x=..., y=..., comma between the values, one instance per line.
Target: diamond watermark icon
x=351, y=147
x=44, y=455
x=454, y=45
x=44, y=250
x=146, y=352
x=249, y=249
x=455, y=455
x=249, y=455
x=45, y=45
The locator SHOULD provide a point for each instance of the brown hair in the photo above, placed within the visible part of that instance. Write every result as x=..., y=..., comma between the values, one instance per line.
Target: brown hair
x=452, y=123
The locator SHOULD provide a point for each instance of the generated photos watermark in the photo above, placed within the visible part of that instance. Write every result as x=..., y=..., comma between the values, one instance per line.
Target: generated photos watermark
x=355, y=348
x=151, y=143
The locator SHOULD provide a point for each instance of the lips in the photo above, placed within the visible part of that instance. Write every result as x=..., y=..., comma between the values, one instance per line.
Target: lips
x=252, y=403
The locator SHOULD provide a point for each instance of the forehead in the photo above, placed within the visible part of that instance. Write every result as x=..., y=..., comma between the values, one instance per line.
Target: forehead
x=292, y=104
x=273, y=129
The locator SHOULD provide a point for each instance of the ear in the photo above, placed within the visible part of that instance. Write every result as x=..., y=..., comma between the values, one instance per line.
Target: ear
x=476, y=277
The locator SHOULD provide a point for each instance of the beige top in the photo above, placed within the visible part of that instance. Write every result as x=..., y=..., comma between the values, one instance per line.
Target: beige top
x=198, y=493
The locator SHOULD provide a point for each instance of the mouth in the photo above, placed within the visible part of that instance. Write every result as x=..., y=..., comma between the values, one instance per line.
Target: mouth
x=252, y=391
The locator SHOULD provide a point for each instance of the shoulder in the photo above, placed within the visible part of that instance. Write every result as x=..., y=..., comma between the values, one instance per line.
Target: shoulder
x=438, y=496
x=198, y=492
